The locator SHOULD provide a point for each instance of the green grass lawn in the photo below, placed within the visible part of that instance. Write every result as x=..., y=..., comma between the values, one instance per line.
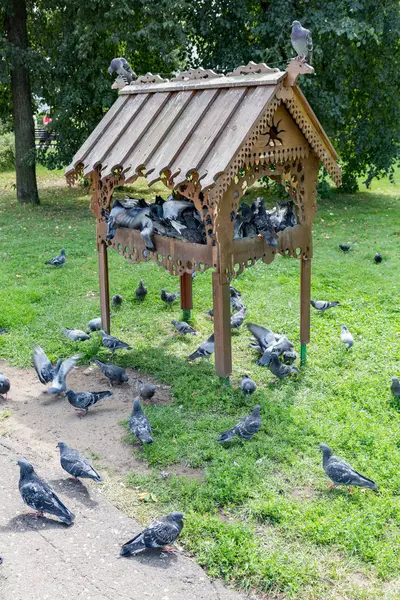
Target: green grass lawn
x=260, y=516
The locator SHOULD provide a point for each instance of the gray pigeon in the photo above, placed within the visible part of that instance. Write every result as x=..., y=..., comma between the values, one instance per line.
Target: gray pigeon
x=346, y=337
x=83, y=400
x=4, y=385
x=147, y=391
x=302, y=42
x=238, y=318
x=59, y=260
x=395, y=387
x=204, y=350
x=234, y=292
x=247, y=386
x=59, y=383
x=278, y=347
x=160, y=533
x=76, y=335
x=75, y=464
x=168, y=298
x=113, y=343
x=37, y=494
x=341, y=473
x=3, y=330
x=117, y=300
x=94, y=325
x=122, y=68
x=279, y=369
x=139, y=423
x=236, y=304
x=183, y=327
x=113, y=373
x=322, y=305
x=246, y=427
x=43, y=367
x=289, y=356
x=264, y=337
x=141, y=291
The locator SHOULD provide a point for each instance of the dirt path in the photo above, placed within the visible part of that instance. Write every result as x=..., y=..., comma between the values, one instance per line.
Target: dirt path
x=43, y=559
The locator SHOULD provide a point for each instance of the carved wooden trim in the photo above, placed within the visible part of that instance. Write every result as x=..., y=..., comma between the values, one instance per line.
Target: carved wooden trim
x=200, y=73
x=254, y=69
x=150, y=78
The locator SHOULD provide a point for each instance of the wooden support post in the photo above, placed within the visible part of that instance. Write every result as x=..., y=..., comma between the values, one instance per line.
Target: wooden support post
x=222, y=327
x=186, y=295
x=104, y=287
x=305, y=297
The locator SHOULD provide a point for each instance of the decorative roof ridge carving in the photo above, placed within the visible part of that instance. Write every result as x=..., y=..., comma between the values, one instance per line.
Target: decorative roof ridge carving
x=254, y=69
x=198, y=73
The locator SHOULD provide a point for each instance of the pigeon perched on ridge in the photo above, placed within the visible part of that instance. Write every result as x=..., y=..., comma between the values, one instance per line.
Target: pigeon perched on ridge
x=81, y=401
x=346, y=337
x=378, y=258
x=169, y=298
x=59, y=383
x=183, y=327
x=159, y=534
x=341, y=473
x=238, y=318
x=204, y=350
x=247, y=385
x=121, y=66
x=302, y=42
x=4, y=385
x=113, y=373
x=57, y=261
x=37, y=494
x=147, y=391
x=345, y=247
x=322, y=305
x=75, y=464
x=139, y=423
x=117, y=300
x=141, y=291
x=43, y=367
x=75, y=335
x=245, y=429
x=395, y=387
x=113, y=343
x=279, y=369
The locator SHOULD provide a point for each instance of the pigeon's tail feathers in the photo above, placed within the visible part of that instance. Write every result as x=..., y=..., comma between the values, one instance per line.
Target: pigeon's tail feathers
x=363, y=481
x=65, y=515
x=146, y=438
x=227, y=436
x=95, y=476
x=134, y=545
x=101, y=395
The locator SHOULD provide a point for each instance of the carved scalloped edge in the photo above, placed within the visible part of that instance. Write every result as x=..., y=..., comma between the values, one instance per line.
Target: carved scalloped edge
x=149, y=78
x=119, y=83
x=199, y=73
x=254, y=68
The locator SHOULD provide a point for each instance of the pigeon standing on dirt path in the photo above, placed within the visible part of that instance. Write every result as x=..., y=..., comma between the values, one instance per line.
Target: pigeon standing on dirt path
x=160, y=534
x=76, y=335
x=341, y=473
x=346, y=337
x=37, y=494
x=280, y=369
x=204, y=350
x=57, y=261
x=168, y=298
x=59, y=383
x=147, y=391
x=81, y=401
x=75, y=464
x=141, y=291
x=395, y=387
x=322, y=305
x=245, y=429
x=247, y=385
x=139, y=423
x=183, y=327
x=113, y=373
x=302, y=42
x=113, y=343
x=4, y=385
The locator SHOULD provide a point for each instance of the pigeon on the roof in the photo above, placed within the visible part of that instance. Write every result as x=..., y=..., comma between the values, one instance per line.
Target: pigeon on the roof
x=113, y=343
x=147, y=391
x=169, y=297
x=4, y=385
x=159, y=534
x=322, y=305
x=37, y=494
x=238, y=318
x=302, y=42
x=75, y=464
x=183, y=327
x=341, y=473
x=113, y=373
x=43, y=367
x=395, y=387
x=345, y=247
x=378, y=258
x=346, y=337
x=139, y=423
x=57, y=261
x=75, y=335
x=246, y=427
x=204, y=350
x=141, y=291
x=279, y=369
x=117, y=300
x=59, y=383
x=121, y=66
x=247, y=385
x=81, y=401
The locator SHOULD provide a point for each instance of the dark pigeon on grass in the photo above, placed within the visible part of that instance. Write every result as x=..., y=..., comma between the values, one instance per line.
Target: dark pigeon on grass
x=245, y=429
x=43, y=367
x=3, y=330
x=341, y=473
x=238, y=318
x=234, y=292
x=247, y=385
x=82, y=401
x=289, y=356
x=37, y=494
x=204, y=350
x=395, y=387
x=4, y=385
x=113, y=343
x=75, y=335
x=147, y=391
x=345, y=247
x=302, y=42
x=168, y=298
x=141, y=291
x=121, y=66
x=57, y=261
x=75, y=464
x=160, y=534
x=346, y=337
x=139, y=423
x=322, y=305
x=59, y=383
x=183, y=327
x=117, y=300
x=279, y=369
x=378, y=258
x=264, y=337
x=210, y=313
x=113, y=373
x=236, y=304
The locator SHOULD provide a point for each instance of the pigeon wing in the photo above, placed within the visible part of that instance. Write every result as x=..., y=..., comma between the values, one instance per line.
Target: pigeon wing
x=263, y=335
x=160, y=533
x=43, y=366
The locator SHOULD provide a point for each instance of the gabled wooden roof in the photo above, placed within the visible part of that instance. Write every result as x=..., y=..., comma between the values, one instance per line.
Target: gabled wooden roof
x=195, y=123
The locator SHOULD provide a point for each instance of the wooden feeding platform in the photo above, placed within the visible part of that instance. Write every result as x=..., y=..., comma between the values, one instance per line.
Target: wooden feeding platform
x=210, y=137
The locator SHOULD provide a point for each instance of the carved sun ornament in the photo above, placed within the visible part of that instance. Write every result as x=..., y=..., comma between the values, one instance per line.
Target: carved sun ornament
x=273, y=134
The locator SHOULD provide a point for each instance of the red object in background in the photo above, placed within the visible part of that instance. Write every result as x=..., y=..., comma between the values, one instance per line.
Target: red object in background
x=46, y=120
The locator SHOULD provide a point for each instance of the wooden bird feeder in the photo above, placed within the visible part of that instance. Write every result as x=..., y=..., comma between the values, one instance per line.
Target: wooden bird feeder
x=210, y=137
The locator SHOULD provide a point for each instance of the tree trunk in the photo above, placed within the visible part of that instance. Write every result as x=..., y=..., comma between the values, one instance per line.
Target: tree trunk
x=24, y=129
